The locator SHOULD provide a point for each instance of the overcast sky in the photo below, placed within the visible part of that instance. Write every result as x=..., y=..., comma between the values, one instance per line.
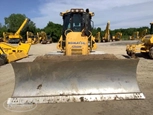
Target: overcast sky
x=120, y=13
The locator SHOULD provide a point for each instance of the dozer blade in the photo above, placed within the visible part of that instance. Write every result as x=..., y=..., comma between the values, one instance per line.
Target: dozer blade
x=75, y=81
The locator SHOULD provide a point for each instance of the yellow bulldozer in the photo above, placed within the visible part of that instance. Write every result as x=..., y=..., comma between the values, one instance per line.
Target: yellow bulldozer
x=117, y=37
x=15, y=37
x=9, y=53
x=144, y=46
x=76, y=73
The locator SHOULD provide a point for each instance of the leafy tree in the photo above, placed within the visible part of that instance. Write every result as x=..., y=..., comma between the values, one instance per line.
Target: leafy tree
x=2, y=29
x=14, y=21
x=54, y=30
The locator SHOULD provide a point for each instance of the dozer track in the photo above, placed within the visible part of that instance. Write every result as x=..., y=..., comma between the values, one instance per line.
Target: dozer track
x=75, y=79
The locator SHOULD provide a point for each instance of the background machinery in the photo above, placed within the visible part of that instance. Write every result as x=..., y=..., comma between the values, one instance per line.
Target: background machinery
x=31, y=38
x=9, y=53
x=76, y=73
x=117, y=37
x=107, y=36
x=15, y=37
x=98, y=37
x=43, y=38
x=134, y=36
x=6, y=36
x=144, y=46
x=142, y=33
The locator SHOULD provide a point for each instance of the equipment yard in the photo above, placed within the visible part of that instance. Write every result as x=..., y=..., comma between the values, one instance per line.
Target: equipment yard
x=123, y=107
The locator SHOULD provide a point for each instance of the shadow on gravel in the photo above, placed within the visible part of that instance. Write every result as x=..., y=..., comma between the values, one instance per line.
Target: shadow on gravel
x=138, y=55
x=30, y=55
x=126, y=56
x=124, y=42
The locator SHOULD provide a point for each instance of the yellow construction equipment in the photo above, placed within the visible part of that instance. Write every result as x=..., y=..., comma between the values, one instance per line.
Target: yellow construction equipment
x=78, y=74
x=145, y=46
x=143, y=33
x=117, y=37
x=134, y=36
x=97, y=37
x=31, y=38
x=43, y=38
x=13, y=53
x=15, y=37
x=107, y=36
x=6, y=36
x=3, y=57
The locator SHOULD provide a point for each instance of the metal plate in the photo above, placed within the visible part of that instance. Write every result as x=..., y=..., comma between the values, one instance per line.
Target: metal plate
x=75, y=98
x=76, y=78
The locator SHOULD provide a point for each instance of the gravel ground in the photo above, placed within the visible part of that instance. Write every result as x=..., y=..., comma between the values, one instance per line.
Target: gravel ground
x=126, y=107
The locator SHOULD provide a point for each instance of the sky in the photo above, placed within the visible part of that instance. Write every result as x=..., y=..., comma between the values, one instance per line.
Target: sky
x=120, y=13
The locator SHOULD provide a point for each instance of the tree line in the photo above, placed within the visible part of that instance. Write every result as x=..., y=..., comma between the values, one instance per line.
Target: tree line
x=13, y=22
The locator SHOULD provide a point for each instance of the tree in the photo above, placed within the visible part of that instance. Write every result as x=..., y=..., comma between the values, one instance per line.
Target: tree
x=2, y=29
x=14, y=21
x=54, y=30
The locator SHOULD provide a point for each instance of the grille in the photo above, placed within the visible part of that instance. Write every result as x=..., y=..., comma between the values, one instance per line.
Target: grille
x=76, y=51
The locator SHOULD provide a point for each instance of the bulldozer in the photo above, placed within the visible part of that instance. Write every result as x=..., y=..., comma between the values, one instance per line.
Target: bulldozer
x=144, y=46
x=117, y=37
x=9, y=53
x=76, y=73
x=15, y=37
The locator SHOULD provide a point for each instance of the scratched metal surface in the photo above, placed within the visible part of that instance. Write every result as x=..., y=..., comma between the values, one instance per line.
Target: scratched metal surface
x=74, y=98
x=68, y=78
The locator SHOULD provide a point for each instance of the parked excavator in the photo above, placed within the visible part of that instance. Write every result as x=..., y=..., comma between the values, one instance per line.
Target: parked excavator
x=43, y=38
x=15, y=37
x=143, y=33
x=107, y=37
x=98, y=37
x=144, y=46
x=77, y=74
x=135, y=36
x=31, y=38
x=9, y=53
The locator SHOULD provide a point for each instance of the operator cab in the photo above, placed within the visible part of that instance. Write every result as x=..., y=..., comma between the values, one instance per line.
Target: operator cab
x=76, y=20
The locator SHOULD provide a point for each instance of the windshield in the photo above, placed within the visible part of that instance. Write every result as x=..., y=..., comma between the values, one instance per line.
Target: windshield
x=73, y=22
x=66, y=22
x=77, y=22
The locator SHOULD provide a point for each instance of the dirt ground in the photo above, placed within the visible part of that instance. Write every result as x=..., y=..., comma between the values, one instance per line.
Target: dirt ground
x=125, y=107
